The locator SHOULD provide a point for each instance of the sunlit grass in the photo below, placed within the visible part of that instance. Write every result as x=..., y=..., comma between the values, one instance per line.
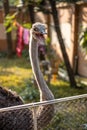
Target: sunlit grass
x=63, y=89
x=16, y=74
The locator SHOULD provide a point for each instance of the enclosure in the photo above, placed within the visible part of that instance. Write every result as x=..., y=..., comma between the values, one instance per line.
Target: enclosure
x=70, y=113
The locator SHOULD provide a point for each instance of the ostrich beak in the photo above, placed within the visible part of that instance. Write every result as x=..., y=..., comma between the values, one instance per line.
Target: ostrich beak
x=43, y=31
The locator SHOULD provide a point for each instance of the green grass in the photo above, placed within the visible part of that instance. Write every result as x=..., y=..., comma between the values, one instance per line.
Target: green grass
x=16, y=74
x=63, y=89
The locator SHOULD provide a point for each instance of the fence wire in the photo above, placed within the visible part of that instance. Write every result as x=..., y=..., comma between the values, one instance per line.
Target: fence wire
x=70, y=113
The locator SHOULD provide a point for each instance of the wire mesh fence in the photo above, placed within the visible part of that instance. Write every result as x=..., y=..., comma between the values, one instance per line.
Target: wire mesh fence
x=70, y=113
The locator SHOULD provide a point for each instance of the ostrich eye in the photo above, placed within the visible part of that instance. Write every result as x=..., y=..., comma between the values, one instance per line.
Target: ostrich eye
x=35, y=29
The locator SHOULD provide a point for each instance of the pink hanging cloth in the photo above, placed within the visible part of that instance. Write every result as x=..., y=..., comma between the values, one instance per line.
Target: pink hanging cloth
x=26, y=36
x=20, y=44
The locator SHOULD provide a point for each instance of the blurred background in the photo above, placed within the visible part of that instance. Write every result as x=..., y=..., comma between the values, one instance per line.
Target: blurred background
x=63, y=60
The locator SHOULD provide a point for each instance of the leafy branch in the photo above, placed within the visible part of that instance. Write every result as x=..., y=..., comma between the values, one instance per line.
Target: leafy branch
x=9, y=22
x=83, y=40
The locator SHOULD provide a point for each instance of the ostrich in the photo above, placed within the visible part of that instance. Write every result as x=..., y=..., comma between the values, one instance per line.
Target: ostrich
x=23, y=119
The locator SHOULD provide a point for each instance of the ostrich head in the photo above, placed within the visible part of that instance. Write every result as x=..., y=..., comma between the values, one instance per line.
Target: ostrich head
x=38, y=31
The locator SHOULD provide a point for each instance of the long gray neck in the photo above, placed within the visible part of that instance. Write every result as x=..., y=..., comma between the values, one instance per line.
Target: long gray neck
x=45, y=93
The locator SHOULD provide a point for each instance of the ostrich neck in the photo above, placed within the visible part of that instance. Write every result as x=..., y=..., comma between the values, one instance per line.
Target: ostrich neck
x=45, y=93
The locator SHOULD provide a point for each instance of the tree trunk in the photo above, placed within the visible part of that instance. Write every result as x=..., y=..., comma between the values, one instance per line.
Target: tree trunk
x=31, y=13
x=61, y=42
x=75, y=39
x=8, y=34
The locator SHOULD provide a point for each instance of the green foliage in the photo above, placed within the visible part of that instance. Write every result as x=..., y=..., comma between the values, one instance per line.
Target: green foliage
x=48, y=40
x=27, y=25
x=11, y=2
x=83, y=40
x=9, y=22
x=25, y=54
x=69, y=1
x=30, y=93
x=3, y=54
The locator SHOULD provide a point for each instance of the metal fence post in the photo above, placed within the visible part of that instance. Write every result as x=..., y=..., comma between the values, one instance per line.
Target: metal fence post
x=35, y=118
